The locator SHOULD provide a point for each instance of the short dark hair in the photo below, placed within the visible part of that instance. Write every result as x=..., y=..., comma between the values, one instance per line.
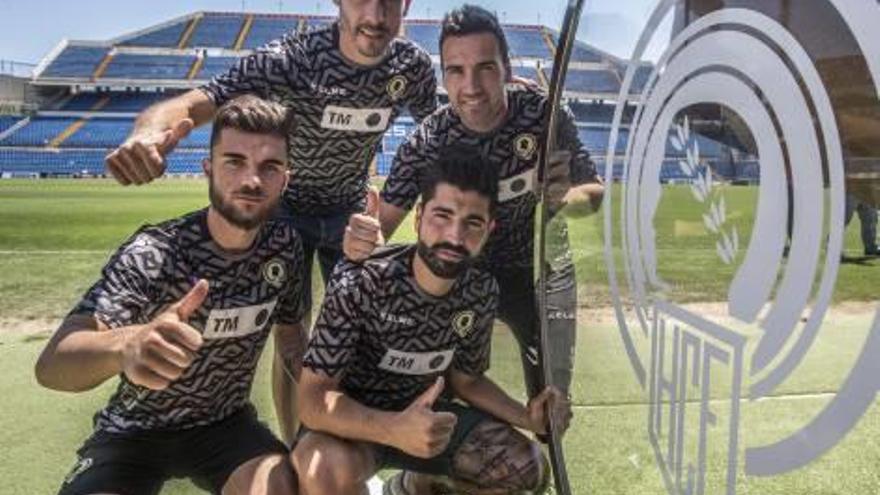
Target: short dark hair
x=252, y=114
x=471, y=19
x=465, y=168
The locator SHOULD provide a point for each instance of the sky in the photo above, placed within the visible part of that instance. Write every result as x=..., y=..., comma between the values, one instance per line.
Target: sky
x=29, y=29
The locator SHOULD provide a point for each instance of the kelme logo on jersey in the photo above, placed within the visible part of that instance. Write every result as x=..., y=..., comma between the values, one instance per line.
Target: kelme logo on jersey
x=81, y=466
x=463, y=322
x=525, y=146
x=416, y=363
x=356, y=119
x=396, y=87
x=275, y=272
x=238, y=322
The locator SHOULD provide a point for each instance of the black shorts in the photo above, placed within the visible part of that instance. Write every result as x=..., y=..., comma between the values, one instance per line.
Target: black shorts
x=139, y=463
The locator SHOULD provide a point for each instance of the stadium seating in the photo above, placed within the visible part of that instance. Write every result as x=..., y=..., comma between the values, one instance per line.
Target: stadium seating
x=526, y=72
x=167, y=36
x=213, y=66
x=7, y=121
x=266, y=29
x=527, y=43
x=40, y=131
x=82, y=162
x=316, y=22
x=100, y=133
x=217, y=30
x=76, y=61
x=131, y=66
x=119, y=101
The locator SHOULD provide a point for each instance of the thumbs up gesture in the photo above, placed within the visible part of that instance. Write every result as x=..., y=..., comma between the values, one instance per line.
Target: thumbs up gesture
x=141, y=158
x=364, y=232
x=158, y=353
x=421, y=432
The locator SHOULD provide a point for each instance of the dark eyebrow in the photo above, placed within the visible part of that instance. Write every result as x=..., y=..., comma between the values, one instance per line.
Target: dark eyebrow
x=232, y=154
x=475, y=216
x=273, y=161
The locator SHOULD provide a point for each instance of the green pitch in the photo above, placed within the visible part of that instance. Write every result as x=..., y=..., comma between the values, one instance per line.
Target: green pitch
x=55, y=235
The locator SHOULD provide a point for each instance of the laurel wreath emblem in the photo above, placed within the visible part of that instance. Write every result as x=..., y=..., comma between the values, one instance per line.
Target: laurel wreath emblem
x=704, y=190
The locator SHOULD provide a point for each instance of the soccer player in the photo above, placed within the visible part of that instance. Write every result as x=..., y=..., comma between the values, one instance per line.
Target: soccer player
x=506, y=126
x=398, y=331
x=181, y=314
x=868, y=221
x=346, y=82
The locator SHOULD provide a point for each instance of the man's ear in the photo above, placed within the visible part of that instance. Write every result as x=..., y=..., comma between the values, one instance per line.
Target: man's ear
x=491, y=226
x=206, y=166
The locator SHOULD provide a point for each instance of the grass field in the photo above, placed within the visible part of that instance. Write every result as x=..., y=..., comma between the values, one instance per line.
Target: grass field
x=55, y=235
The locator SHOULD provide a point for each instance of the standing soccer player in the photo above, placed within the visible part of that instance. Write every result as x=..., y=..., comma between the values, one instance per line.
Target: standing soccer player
x=346, y=82
x=397, y=328
x=181, y=314
x=507, y=128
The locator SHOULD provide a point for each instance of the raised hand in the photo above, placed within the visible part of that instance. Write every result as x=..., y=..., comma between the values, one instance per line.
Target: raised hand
x=158, y=353
x=364, y=232
x=141, y=158
x=419, y=430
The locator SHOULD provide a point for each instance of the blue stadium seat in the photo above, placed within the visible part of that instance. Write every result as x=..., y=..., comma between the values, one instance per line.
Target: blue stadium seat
x=200, y=137
x=213, y=66
x=39, y=132
x=426, y=35
x=7, y=121
x=266, y=29
x=217, y=30
x=527, y=42
x=76, y=61
x=130, y=66
x=100, y=133
x=592, y=81
x=167, y=37
x=133, y=102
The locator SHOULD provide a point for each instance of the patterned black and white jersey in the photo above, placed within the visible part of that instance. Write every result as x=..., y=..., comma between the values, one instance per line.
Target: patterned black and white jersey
x=514, y=148
x=341, y=109
x=248, y=293
x=387, y=340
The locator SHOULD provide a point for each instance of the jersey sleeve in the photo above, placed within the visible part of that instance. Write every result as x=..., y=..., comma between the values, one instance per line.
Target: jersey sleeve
x=473, y=355
x=424, y=98
x=255, y=73
x=582, y=170
x=292, y=303
x=340, y=322
x=128, y=287
x=401, y=187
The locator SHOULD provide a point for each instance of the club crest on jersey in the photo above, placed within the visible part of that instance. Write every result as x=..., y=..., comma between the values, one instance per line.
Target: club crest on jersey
x=396, y=87
x=275, y=272
x=525, y=146
x=81, y=466
x=463, y=323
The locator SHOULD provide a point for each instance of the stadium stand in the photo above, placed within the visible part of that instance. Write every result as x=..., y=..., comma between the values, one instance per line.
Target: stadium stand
x=217, y=30
x=167, y=36
x=107, y=82
x=131, y=66
x=266, y=29
x=76, y=61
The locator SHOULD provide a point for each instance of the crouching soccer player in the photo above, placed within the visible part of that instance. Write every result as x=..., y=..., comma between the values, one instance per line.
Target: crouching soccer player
x=181, y=314
x=392, y=333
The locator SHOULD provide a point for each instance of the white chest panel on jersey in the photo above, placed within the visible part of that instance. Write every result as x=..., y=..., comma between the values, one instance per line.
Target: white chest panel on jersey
x=237, y=322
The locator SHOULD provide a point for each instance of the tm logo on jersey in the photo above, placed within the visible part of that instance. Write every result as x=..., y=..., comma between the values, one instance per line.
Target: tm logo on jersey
x=238, y=322
x=416, y=363
x=356, y=119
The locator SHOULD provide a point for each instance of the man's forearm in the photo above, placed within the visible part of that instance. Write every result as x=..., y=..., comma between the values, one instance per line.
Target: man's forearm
x=194, y=105
x=286, y=366
x=390, y=217
x=80, y=356
x=332, y=411
x=487, y=396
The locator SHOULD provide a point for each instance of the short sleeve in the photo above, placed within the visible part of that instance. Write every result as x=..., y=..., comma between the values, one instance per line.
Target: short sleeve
x=401, y=187
x=255, y=73
x=129, y=285
x=473, y=354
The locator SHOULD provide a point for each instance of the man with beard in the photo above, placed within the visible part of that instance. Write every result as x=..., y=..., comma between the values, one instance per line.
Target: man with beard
x=181, y=314
x=506, y=127
x=346, y=82
x=397, y=328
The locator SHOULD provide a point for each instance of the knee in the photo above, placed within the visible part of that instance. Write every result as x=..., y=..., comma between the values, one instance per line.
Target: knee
x=496, y=456
x=326, y=465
